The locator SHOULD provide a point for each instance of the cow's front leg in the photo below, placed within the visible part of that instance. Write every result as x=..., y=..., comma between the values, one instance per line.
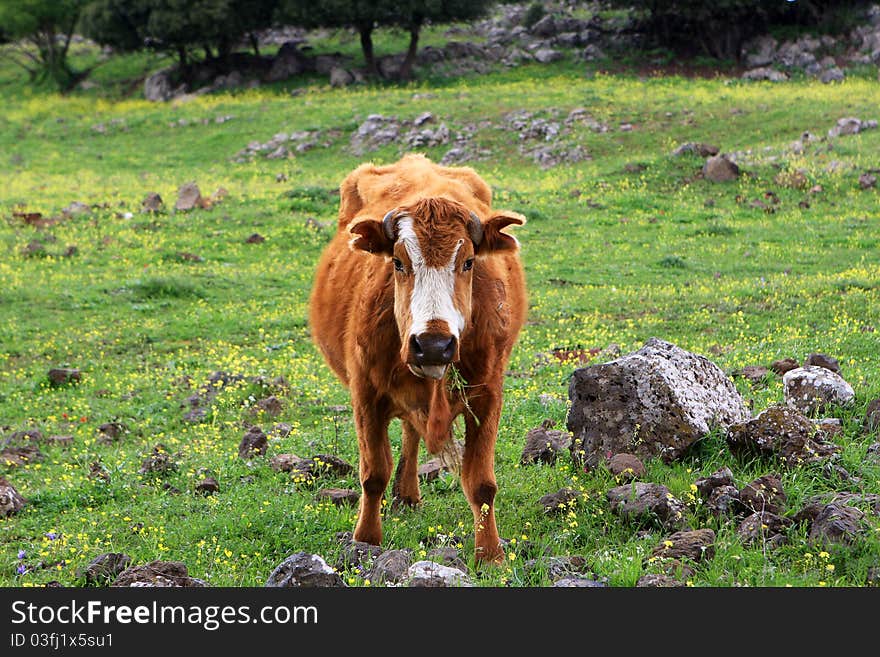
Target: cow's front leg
x=406, y=478
x=371, y=424
x=478, y=475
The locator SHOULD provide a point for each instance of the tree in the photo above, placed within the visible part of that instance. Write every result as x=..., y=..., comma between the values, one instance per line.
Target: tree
x=178, y=27
x=43, y=30
x=366, y=16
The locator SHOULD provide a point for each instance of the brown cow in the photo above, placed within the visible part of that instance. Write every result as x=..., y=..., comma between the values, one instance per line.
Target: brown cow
x=420, y=277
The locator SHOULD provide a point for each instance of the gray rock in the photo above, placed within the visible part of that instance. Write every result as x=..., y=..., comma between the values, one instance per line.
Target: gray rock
x=434, y=575
x=59, y=376
x=837, y=523
x=306, y=570
x=158, y=574
x=579, y=582
x=626, y=467
x=390, y=567
x=560, y=501
x=851, y=125
x=723, y=500
x=763, y=494
x=152, y=203
x=780, y=367
x=832, y=75
x=188, y=197
x=644, y=499
x=544, y=444
x=696, y=148
x=812, y=389
x=656, y=401
x=867, y=181
x=253, y=443
x=720, y=169
x=104, y=568
x=157, y=87
x=781, y=431
x=871, y=422
x=547, y=55
x=558, y=567
x=356, y=554
x=11, y=501
x=823, y=360
x=374, y=132
x=767, y=528
x=765, y=73
x=340, y=496
x=696, y=545
x=721, y=477
x=659, y=580
x=448, y=556
x=340, y=77
x=289, y=61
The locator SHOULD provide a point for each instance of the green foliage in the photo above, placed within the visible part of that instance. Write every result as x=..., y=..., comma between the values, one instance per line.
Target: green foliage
x=44, y=29
x=718, y=29
x=534, y=13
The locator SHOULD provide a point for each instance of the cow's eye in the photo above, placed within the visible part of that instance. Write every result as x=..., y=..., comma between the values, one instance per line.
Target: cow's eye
x=468, y=264
x=398, y=265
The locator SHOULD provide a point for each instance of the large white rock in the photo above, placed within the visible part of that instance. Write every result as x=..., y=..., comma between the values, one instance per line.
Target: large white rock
x=812, y=389
x=656, y=401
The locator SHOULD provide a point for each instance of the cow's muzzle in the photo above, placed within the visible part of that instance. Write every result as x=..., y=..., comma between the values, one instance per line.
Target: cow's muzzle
x=430, y=353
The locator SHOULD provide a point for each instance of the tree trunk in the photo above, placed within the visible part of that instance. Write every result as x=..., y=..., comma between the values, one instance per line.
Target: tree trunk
x=255, y=43
x=366, y=33
x=409, y=61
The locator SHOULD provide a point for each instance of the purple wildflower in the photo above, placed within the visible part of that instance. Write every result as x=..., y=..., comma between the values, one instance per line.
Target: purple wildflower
x=22, y=554
x=21, y=569
x=51, y=536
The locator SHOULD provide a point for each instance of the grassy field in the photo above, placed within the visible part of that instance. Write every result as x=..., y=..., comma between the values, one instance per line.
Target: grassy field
x=149, y=306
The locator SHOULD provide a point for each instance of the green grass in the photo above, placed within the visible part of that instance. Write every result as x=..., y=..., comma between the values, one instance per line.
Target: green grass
x=610, y=257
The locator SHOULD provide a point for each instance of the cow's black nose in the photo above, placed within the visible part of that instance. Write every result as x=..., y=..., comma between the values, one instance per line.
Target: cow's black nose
x=432, y=348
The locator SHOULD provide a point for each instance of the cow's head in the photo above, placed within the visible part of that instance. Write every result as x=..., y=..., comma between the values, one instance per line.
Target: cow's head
x=433, y=247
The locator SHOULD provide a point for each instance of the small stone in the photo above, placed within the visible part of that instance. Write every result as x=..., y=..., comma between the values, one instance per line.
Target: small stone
x=543, y=445
x=158, y=574
x=18, y=456
x=812, y=389
x=784, y=365
x=626, y=467
x=340, y=496
x=871, y=422
x=105, y=568
x=390, y=567
x=253, y=443
x=208, y=486
x=763, y=494
x=720, y=169
x=560, y=501
x=59, y=376
x=721, y=477
x=188, y=197
x=356, y=555
x=75, y=209
x=255, y=238
x=447, y=556
x=644, y=500
x=158, y=462
x=696, y=545
x=767, y=528
x=152, y=203
x=430, y=470
x=781, y=431
x=303, y=569
x=287, y=462
x=837, y=523
x=11, y=501
x=695, y=148
x=823, y=360
x=579, y=582
x=62, y=441
x=271, y=406
x=434, y=575
x=658, y=580
x=722, y=500
x=754, y=373
x=867, y=181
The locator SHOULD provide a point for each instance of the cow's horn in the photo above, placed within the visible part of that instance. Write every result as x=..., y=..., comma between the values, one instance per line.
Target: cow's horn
x=475, y=228
x=389, y=224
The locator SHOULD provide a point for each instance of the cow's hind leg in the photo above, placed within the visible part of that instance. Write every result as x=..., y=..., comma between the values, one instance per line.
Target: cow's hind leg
x=406, y=478
x=374, y=466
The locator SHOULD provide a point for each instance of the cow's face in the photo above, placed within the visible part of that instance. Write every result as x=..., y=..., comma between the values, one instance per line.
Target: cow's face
x=433, y=248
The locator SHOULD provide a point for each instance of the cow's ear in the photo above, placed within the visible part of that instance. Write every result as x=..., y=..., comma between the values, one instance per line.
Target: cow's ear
x=493, y=238
x=369, y=235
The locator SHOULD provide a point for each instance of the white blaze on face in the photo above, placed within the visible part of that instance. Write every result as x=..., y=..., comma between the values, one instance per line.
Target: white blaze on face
x=434, y=289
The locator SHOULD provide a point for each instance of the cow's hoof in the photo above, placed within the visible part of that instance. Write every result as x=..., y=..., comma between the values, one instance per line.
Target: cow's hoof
x=489, y=557
x=401, y=502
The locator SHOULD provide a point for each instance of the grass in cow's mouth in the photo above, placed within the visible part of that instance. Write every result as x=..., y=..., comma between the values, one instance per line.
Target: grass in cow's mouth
x=187, y=330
